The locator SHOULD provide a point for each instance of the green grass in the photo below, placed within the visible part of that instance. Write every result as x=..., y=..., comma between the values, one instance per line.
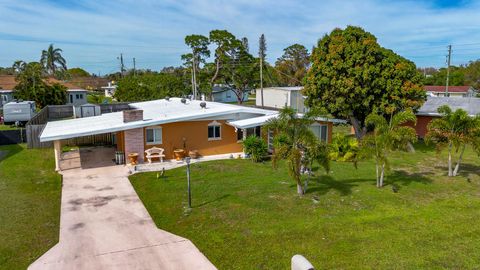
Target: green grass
x=30, y=192
x=8, y=127
x=248, y=216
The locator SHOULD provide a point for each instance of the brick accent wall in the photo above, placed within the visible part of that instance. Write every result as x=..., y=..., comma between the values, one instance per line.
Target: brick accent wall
x=132, y=115
x=134, y=142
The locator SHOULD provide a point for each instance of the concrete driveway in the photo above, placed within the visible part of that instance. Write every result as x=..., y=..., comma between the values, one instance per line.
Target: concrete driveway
x=104, y=225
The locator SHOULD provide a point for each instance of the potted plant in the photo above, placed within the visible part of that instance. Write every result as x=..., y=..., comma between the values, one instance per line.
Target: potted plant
x=179, y=154
x=193, y=154
x=133, y=157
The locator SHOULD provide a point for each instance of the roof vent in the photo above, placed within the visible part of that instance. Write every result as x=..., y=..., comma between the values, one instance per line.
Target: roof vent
x=184, y=101
x=167, y=98
x=203, y=105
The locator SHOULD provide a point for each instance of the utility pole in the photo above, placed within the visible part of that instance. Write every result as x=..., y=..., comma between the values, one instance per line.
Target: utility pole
x=448, y=69
x=261, y=78
x=134, y=70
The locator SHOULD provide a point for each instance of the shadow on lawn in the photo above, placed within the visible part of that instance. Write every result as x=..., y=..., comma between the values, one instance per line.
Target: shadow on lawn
x=212, y=201
x=400, y=178
x=7, y=151
x=323, y=184
x=466, y=169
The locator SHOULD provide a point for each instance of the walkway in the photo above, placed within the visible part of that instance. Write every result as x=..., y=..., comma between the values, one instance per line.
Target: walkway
x=104, y=225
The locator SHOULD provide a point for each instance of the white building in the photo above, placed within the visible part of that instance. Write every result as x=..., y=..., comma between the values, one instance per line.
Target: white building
x=225, y=93
x=109, y=89
x=280, y=97
x=76, y=97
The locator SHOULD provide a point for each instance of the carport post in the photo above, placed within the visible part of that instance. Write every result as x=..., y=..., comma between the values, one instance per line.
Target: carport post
x=57, y=147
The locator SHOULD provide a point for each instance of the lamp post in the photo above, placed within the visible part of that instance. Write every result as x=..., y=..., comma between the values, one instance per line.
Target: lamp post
x=187, y=160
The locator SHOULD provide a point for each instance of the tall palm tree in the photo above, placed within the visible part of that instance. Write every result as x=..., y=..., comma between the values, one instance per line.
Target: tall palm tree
x=296, y=143
x=19, y=66
x=388, y=135
x=52, y=60
x=454, y=130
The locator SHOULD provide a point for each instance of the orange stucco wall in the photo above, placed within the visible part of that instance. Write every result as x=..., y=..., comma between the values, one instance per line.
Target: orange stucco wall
x=195, y=136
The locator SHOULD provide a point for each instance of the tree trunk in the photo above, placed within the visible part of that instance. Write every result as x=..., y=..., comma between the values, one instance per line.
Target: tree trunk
x=450, y=172
x=359, y=130
x=457, y=167
x=377, y=171
x=382, y=175
x=300, y=190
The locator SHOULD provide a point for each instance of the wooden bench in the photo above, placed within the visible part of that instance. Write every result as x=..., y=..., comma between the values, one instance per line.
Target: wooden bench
x=154, y=152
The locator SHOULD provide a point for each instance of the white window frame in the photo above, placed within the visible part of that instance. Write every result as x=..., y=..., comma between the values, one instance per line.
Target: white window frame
x=215, y=124
x=155, y=141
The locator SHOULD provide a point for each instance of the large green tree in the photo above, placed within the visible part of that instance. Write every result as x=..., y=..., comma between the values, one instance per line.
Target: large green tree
x=293, y=64
x=456, y=78
x=351, y=76
x=52, y=60
x=150, y=86
x=31, y=86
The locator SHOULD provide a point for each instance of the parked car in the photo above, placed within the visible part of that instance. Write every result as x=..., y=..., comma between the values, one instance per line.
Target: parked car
x=18, y=111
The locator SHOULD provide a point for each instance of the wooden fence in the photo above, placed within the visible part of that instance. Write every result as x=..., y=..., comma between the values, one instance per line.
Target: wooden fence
x=36, y=125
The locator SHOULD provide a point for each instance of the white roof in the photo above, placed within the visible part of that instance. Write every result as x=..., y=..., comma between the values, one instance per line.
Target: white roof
x=155, y=112
x=289, y=88
x=76, y=90
x=259, y=121
x=6, y=91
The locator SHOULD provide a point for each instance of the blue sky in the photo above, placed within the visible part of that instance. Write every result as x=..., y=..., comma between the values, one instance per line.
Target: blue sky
x=93, y=33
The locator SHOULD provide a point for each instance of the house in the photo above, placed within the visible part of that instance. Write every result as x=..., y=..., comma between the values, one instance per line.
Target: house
x=429, y=110
x=110, y=89
x=76, y=97
x=225, y=93
x=453, y=91
x=211, y=128
x=280, y=97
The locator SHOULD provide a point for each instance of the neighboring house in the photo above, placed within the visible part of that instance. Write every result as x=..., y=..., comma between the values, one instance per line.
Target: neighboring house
x=76, y=97
x=110, y=89
x=280, y=97
x=429, y=110
x=453, y=91
x=5, y=96
x=225, y=93
x=176, y=123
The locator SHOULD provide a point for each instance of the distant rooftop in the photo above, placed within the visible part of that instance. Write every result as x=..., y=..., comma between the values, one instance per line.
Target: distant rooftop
x=286, y=88
x=452, y=89
x=470, y=105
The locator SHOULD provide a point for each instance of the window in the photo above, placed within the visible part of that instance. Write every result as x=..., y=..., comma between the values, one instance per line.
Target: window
x=77, y=96
x=320, y=131
x=81, y=96
x=154, y=135
x=239, y=134
x=253, y=131
x=214, y=132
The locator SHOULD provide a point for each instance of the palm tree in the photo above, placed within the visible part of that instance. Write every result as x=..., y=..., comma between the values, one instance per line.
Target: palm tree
x=388, y=136
x=52, y=60
x=18, y=66
x=454, y=130
x=296, y=143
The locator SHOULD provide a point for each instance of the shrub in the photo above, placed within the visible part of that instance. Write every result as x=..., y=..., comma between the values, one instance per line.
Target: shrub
x=255, y=147
x=344, y=148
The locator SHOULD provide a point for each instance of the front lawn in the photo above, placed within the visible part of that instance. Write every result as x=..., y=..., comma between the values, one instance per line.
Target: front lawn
x=248, y=216
x=30, y=191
